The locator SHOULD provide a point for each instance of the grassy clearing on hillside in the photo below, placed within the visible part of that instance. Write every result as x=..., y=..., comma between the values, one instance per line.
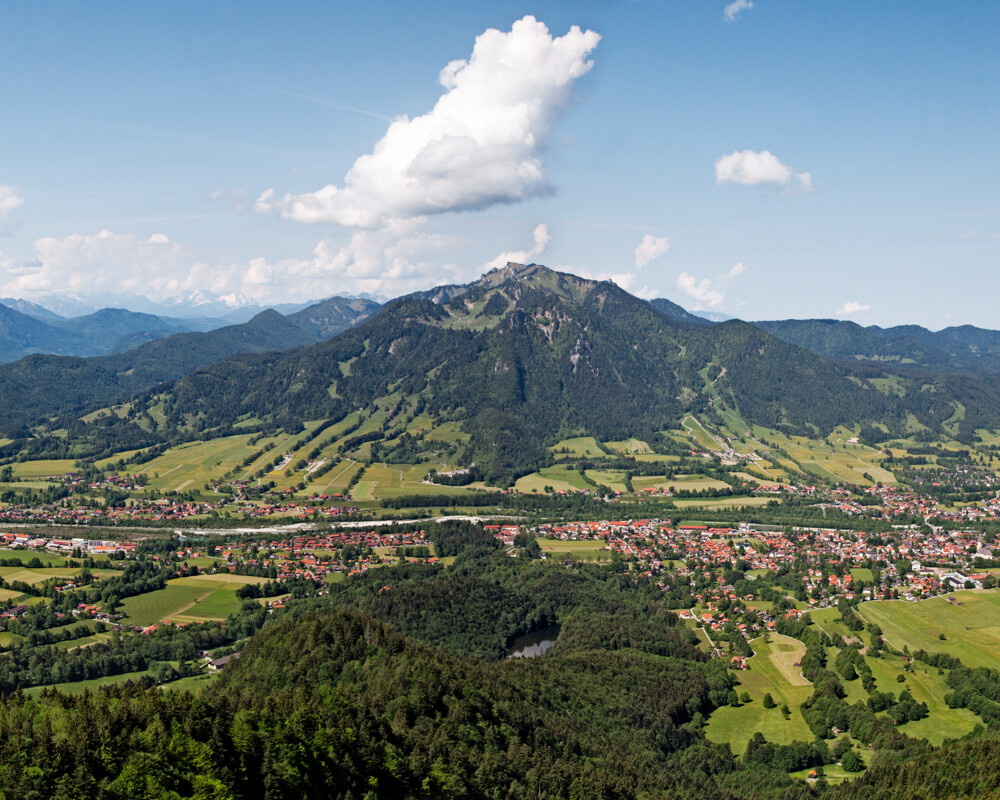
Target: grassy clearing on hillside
x=559, y=478
x=629, y=447
x=613, y=479
x=216, y=605
x=79, y=687
x=195, y=683
x=581, y=447
x=772, y=671
x=698, y=434
x=926, y=686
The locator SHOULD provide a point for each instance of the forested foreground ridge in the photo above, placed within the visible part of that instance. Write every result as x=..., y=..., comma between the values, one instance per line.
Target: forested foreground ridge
x=397, y=687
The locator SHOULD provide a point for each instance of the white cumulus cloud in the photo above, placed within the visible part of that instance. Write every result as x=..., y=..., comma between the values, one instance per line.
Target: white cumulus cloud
x=650, y=248
x=480, y=145
x=708, y=293
x=734, y=9
x=542, y=238
x=103, y=261
x=852, y=307
x=389, y=260
x=749, y=168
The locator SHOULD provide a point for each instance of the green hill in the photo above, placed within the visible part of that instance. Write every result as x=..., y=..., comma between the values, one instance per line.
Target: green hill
x=46, y=386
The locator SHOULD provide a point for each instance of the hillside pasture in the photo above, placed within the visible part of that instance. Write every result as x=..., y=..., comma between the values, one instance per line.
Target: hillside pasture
x=772, y=671
x=971, y=630
x=48, y=468
x=580, y=447
x=629, y=447
x=560, y=479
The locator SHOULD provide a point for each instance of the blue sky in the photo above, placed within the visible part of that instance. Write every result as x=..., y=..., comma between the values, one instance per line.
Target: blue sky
x=801, y=159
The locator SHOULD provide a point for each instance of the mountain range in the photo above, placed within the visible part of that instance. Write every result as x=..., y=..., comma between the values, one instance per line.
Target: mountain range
x=520, y=358
x=39, y=386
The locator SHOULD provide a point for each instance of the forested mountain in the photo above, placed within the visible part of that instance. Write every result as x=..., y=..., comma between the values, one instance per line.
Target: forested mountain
x=964, y=349
x=100, y=333
x=521, y=357
x=670, y=309
x=46, y=385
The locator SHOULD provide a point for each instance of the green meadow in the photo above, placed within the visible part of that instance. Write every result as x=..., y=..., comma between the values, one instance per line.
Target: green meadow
x=772, y=671
x=971, y=630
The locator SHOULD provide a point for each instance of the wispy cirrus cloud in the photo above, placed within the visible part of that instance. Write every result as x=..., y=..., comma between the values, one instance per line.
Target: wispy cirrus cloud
x=734, y=9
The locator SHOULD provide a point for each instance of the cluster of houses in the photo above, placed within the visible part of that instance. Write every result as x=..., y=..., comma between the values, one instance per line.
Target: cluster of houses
x=314, y=556
x=936, y=562
x=163, y=509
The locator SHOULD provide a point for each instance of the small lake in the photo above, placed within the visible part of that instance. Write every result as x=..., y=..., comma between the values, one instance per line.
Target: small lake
x=530, y=645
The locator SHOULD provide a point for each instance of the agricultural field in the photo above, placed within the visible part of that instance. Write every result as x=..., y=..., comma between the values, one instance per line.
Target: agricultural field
x=36, y=576
x=695, y=483
x=561, y=479
x=660, y=482
x=42, y=469
x=336, y=480
x=613, y=479
x=24, y=556
x=971, y=630
x=772, y=671
x=192, y=465
x=193, y=599
x=721, y=502
x=395, y=480
x=585, y=550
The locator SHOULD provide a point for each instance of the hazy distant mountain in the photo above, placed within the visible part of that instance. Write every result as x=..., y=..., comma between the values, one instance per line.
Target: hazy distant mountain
x=42, y=385
x=964, y=349
x=194, y=303
x=106, y=331
x=29, y=308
